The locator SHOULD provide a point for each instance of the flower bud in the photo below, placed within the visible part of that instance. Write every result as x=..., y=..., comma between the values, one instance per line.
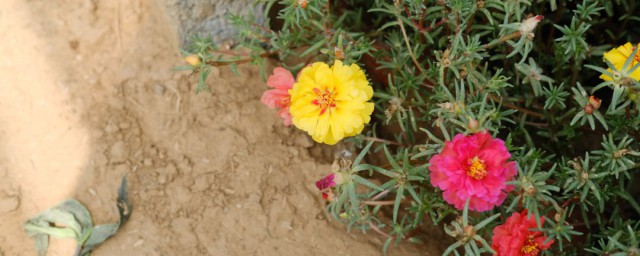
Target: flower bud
x=588, y=109
x=593, y=105
x=530, y=190
x=558, y=216
x=446, y=106
x=584, y=176
x=527, y=26
x=338, y=53
x=193, y=60
x=595, y=102
x=446, y=62
x=473, y=125
x=302, y=3
x=620, y=153
x=469, y=231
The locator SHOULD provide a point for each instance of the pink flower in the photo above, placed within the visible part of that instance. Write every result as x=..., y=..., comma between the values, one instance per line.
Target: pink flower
x=515, y=238
x=281, y=80
x=473, y=167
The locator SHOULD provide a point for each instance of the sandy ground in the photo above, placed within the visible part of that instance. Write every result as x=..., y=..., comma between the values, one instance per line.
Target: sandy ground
x=87, y=96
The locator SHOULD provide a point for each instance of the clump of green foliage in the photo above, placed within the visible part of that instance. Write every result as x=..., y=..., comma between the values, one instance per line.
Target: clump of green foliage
x=446, y=67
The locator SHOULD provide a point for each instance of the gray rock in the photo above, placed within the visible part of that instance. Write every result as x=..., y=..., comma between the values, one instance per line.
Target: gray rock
x=207, y=17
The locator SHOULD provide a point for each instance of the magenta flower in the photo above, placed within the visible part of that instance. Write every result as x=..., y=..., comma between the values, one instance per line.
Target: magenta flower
x=473, y=167
x=281, y=81
x=325, y=184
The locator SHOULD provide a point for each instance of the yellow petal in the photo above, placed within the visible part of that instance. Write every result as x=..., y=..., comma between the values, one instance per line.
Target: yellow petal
x=616, y=58
x=323, y=126
x=308, y=124
x=329, y=139
x=605, y=77
x=336, y=128
x=366, y=112
x=341, y=73
x=636, y=74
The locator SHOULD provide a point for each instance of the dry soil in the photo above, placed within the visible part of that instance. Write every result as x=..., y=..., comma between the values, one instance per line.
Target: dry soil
x=87, y=95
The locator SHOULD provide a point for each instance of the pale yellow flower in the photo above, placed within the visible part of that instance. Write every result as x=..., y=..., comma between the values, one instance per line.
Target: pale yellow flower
x=619, y=56
x=331, y=103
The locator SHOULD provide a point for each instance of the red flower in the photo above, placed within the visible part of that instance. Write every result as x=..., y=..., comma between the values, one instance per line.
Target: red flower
x=473, y=167
x=515, y=237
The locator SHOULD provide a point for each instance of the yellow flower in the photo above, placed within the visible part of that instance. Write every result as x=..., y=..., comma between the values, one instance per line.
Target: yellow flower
x=331, y=103
x=619, y=56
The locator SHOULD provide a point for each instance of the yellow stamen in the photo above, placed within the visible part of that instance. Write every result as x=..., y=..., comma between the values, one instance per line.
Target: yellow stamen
x=530, y=247
x=476, y=169
x=324, y=100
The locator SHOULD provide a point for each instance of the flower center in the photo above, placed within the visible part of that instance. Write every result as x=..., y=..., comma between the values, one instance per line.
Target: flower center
x=324, y=100
x=530, y=248
x=476, y=168
x=284, y=102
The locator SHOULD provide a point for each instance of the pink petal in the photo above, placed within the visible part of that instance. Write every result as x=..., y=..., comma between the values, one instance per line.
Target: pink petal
x=281, y=79
x=286, y=116
x=271, y=97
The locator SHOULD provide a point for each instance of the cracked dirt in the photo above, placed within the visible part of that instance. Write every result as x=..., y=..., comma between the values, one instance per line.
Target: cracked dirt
x=87, y=95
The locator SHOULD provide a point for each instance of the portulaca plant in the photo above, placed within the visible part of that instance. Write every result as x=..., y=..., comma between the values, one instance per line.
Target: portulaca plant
x=511, y=124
